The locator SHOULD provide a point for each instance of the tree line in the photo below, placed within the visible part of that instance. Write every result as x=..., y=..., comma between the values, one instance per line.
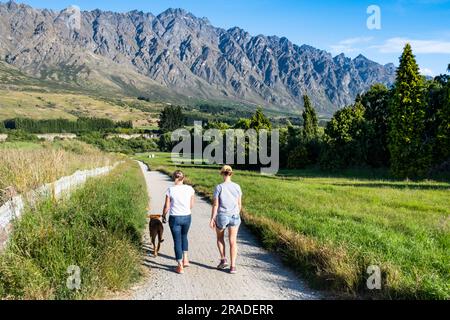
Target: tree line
x=64, y=125
x=405, y=128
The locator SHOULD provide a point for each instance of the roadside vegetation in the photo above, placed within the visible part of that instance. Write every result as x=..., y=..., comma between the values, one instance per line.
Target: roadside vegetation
x=27, y=165
x=98, y=228
x=332, y=228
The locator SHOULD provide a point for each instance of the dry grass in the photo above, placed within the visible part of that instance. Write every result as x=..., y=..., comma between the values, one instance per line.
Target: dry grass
x=29, y=168
x=43, y=105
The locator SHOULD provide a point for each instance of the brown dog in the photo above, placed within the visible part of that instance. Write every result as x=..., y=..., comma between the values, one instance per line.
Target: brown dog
x=156, y=231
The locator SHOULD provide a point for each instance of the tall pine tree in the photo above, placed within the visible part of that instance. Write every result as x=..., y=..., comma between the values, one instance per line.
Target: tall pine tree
x=410, y=156
x=310, y=121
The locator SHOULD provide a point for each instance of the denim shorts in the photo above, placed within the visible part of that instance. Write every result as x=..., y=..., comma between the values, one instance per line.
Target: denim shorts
x=225, y=221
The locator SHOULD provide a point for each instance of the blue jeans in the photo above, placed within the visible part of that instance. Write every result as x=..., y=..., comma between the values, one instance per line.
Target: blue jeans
x=179, y=226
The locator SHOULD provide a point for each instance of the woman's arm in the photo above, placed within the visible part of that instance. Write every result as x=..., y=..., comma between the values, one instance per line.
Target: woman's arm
x=192, y=201
x=240, y=204
x=166, y=207
x=214, y=210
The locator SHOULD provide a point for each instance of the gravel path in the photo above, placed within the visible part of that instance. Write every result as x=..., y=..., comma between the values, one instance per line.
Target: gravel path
x=262, y=276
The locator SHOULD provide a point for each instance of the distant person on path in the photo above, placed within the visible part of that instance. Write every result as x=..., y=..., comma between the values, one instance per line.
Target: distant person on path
x=179, y=203
x=225, y=214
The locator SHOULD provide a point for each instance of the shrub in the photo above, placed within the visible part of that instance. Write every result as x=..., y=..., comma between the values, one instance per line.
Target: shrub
x=120, y=145
x=346, y=139
x=20, y=135
x=298, y=158
x=165, y=143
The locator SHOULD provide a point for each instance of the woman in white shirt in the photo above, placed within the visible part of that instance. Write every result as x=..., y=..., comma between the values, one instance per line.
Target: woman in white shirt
x=179, y=202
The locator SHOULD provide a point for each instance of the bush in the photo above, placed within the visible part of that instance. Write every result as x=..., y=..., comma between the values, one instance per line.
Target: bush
x=120, y=145
x=98, y=229
x=346, y=139
x=298, y=158
x=20, y=135
x=165, y=143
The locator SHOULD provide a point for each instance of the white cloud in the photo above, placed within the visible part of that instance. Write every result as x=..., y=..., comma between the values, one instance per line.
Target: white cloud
x=427, y=72
x=396, y=45
x=349, y=45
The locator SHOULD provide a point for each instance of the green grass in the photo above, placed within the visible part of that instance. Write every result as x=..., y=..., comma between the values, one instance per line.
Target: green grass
x=23, y=145
x=333, y=227
x=98, y=229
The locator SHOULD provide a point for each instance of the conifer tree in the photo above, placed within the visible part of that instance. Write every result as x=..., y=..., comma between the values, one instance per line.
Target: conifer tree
x=410, y=156
x=259, y=121
x=310, y=121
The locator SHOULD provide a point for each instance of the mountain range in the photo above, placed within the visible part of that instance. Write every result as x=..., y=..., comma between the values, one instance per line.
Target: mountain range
x=176, y=52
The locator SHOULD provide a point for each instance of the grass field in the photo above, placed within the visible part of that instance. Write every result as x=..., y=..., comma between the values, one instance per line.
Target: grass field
x=22, y=145
x=43, y=105
x=97, y=229
x=331, y=228
x=28, y=165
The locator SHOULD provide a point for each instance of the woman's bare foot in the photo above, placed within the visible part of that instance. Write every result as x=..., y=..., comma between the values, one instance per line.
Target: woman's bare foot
x=180, y=269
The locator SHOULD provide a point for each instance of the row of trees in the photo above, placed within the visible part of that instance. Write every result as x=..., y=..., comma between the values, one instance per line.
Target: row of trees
x=64, y=125
x=406, y=128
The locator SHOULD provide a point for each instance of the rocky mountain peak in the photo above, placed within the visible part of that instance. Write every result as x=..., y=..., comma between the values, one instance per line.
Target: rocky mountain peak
x=186, y=54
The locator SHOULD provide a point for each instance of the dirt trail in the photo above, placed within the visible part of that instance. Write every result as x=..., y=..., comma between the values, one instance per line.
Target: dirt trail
x=262, y=276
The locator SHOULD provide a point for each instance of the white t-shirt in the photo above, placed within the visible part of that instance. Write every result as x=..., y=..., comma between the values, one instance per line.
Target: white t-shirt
x=180, y=200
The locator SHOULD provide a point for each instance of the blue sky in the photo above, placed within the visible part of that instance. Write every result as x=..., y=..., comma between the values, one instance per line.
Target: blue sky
x=335, y=26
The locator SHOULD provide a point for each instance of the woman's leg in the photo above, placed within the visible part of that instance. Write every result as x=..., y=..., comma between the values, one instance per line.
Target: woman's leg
x=184, y=237
x=175, y=228
x=233, y=232
x=221, y=243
